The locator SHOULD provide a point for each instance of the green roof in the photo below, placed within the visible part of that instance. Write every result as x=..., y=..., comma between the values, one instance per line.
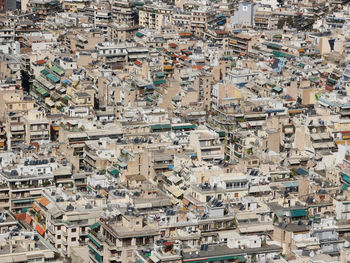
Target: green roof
x=94, y=226
x=277, y=36
x=53, y=78
x=139, y=34
x=57, y=70
x=158, y=82
x=44, y=72
x=159, y=74
x=298, y=213
x=149, y=99
x=160, y=126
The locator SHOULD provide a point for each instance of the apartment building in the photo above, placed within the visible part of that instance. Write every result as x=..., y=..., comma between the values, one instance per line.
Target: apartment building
x=206, y=144
x=119, y=238
x=64, y=219
x=155, y=17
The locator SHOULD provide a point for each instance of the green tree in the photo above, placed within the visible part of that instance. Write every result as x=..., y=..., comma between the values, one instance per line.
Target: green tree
x=25, y=79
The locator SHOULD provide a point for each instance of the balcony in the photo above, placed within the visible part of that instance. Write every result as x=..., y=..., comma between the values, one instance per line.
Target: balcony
x=64, y=241
x=4, y=196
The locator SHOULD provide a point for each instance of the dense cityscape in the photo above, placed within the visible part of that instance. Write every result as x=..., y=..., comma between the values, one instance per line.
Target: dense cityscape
x=170, y=131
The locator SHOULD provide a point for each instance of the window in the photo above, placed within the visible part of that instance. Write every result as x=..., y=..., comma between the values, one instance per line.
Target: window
x=59, y=228
x=74, y=239
x=74, y=230
x=58, y=236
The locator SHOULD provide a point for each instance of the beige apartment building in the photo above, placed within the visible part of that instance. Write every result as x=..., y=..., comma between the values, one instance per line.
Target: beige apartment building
x=64, y=219
x=154, y=17
x=207, y=145
x=118, y=239
x=37, y=127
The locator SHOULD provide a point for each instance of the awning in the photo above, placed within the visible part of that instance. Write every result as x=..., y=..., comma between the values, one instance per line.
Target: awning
x=291, y=184
x=160, y=126
x=259, y=189
x=185, y=202
x=175, y=191
x=159, y=82
x=44, y=201
x=113, y=171
x=50, y=103
x=277, y=89
x=183, y=127
x=57, y=70
x=67, y=82
x=332, y=81
x=35, y=207
x=94, y=226
x=139, y=3
x=154, y=259
x=22, y=201
x=44, y=72
x=53, y=78
x=94, y=241
x=159, y=74
x=168, y=67
x=42, y=92
x=19, y=258
x=301, y=171
x=298, y=213
x=40, y=230
x=274, y=46
x=345, y=177
x=28, y=219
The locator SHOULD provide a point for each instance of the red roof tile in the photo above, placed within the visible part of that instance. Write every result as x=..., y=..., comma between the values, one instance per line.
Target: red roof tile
x=41, y=62
x=138, y=63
